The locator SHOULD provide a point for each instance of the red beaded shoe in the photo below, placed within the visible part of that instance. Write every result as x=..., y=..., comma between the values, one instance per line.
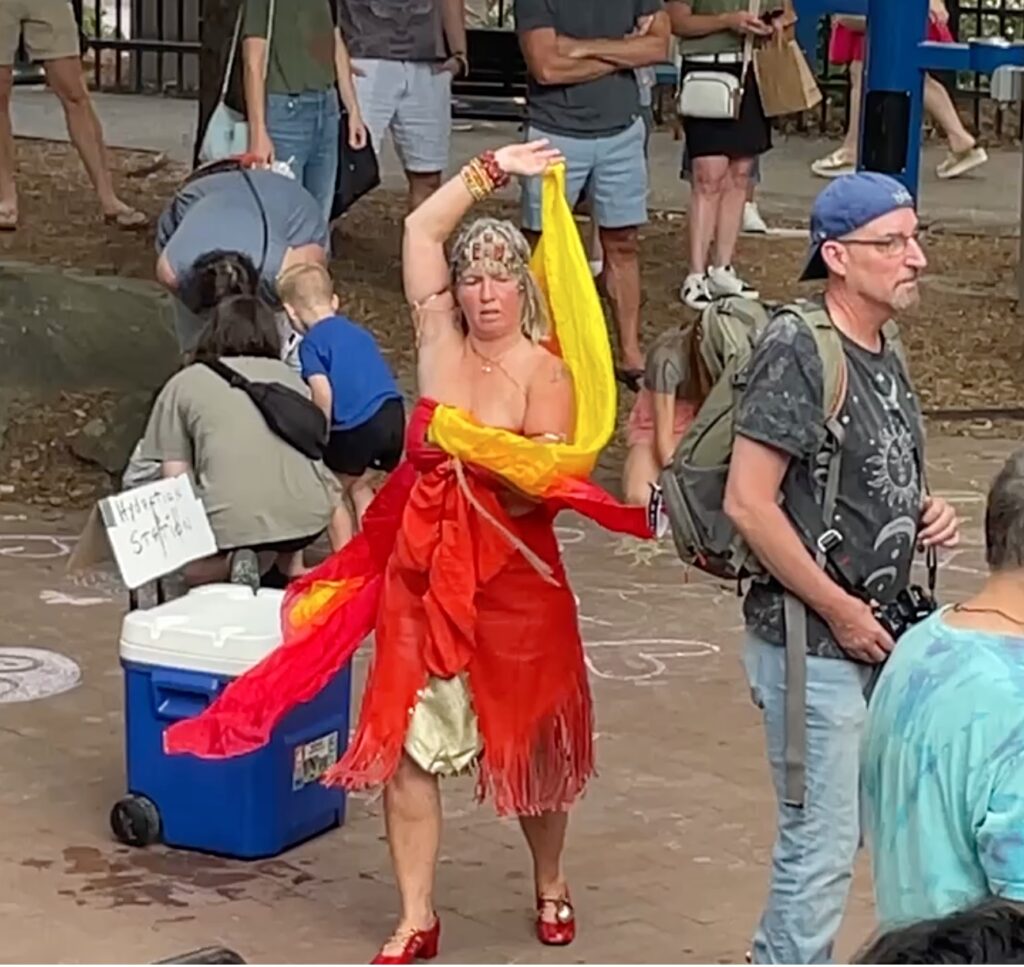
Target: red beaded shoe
x=418, y=945
x=563, y=930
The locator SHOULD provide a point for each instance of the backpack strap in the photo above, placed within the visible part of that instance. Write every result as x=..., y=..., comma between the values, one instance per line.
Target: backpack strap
x=834, y=383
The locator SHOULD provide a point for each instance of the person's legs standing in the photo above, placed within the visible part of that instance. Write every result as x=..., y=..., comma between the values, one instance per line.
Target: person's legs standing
x=412, y=817
x=965, y=153
x=545, y=835
x=291, y=124
x=732, y=199
x=379, y=85
x=620, y=207
x=422, y=128
x=708, y=181
x=579, y=154
x=322, y=165
x=815, y=847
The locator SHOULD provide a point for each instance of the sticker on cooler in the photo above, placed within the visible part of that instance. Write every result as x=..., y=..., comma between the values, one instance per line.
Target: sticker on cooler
x=313, y=759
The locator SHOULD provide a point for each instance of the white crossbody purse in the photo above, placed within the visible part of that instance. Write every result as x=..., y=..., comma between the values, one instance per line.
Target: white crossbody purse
x=717, y=95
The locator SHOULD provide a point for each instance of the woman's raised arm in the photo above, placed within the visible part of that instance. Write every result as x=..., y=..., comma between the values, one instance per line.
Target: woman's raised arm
x=425, y=270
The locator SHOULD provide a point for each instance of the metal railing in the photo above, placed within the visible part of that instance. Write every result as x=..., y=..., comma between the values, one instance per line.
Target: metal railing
x=152, y=45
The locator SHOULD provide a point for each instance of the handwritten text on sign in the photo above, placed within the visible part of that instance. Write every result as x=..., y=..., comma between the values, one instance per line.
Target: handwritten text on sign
x=155, y=529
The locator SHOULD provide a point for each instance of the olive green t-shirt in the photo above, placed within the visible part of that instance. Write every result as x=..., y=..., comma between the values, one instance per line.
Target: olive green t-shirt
x=302, y=44
x=722, y=42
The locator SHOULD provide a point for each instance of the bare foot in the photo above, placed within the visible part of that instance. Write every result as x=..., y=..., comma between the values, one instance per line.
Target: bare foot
x=8, y=215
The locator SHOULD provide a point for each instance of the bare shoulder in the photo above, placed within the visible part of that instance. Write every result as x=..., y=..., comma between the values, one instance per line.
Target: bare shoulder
x=549, y=369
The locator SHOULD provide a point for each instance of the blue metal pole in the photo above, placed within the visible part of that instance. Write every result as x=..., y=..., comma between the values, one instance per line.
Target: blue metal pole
x=890, y=139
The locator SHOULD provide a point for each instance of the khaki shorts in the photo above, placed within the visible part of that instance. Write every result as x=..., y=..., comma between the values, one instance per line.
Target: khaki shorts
x=48, y=27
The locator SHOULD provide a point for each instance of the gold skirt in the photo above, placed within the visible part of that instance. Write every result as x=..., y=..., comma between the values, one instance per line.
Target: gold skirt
x=444, y=735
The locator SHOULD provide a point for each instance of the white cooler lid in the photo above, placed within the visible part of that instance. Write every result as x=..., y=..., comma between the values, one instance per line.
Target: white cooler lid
x=221, y=629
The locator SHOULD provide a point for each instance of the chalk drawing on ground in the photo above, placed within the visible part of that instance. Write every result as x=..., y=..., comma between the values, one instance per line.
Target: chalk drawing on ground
x=641, y=661
x=36, y=547
x=27, y=674
x=567, y=536
x=645, y=553
x=100, y=580
x=74, y=600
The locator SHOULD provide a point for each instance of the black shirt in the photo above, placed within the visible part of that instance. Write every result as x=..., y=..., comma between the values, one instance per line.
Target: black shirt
x=588, y=109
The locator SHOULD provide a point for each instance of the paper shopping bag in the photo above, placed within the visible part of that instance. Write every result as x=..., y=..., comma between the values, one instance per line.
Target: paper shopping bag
x=784, y=78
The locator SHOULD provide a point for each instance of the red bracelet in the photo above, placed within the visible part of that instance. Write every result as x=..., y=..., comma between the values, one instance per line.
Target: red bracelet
x=495, y=172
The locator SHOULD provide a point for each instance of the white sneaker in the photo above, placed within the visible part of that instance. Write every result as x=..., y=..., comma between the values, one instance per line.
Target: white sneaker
x=694, y=292
x=752, y=220
x=723, y=281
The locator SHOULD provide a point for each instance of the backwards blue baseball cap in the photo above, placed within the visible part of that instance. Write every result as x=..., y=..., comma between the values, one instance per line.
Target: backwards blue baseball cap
x=849, y=203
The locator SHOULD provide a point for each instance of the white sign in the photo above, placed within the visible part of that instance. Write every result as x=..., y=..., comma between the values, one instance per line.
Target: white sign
x=156, y=529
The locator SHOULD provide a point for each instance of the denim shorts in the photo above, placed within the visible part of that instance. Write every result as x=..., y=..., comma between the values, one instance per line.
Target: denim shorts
x=412, y=101
x=612, y=168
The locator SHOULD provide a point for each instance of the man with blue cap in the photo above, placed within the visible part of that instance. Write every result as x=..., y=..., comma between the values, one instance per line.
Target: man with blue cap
x=829, y=495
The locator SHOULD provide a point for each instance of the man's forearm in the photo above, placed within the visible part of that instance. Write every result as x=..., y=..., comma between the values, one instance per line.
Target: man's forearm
x=697, y=24
x=560, y=69
x=778, y=547
x=626, y=52
x=255, y=58
x=453, y=19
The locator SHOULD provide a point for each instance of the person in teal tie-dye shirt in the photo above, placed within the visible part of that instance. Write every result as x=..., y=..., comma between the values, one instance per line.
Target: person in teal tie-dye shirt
x=942, y=768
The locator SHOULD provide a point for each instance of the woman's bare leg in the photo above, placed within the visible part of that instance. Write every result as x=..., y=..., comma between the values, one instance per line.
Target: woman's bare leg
x=940, y=106
x=412, y=817
x=545, y=835
x=851, y=142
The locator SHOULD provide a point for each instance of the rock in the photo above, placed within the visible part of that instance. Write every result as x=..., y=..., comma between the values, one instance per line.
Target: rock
x=109, y=442
x=62, y=331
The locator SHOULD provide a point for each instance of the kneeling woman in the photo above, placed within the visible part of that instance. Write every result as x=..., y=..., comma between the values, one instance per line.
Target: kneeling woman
x=262, y=496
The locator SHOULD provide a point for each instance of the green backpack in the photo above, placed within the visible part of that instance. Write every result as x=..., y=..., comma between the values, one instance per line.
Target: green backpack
x=692, y=487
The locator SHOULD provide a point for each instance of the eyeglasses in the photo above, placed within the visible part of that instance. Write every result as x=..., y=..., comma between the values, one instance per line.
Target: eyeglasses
x=891, y=246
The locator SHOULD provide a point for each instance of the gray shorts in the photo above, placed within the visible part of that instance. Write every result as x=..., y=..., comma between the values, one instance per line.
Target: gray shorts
x=613, y=168
x=414, y=103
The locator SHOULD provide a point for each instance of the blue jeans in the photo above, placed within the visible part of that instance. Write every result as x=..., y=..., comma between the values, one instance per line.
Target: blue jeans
x=304, y=128
x=815, y=847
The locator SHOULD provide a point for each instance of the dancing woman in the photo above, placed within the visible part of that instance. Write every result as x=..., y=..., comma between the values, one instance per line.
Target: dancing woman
x=478, y=663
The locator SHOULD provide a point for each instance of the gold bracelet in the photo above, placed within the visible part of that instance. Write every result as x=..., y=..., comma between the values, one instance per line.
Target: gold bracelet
x=472, y=183
x=477, y=179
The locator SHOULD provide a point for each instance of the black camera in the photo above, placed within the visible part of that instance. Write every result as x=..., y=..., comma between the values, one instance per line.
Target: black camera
x=911, y=606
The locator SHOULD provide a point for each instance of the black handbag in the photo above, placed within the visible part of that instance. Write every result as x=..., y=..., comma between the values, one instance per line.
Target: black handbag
x=358, y=171
x=296, y=420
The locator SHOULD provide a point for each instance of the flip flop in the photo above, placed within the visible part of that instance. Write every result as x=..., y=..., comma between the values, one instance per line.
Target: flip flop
x=8, y=220
x=632, y=379
x=129, y=220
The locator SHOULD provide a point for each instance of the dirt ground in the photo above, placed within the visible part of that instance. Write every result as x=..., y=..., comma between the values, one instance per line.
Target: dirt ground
x=965, y=340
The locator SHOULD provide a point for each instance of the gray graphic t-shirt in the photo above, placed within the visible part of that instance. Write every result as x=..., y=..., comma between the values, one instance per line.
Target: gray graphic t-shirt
x=880, y=485
x=393, y=29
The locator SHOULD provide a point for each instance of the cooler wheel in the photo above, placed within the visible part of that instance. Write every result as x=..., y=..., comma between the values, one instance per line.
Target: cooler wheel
x=135, y=821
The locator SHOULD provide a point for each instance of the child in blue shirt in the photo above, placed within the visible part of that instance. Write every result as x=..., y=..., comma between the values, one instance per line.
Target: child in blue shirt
x=352, y=383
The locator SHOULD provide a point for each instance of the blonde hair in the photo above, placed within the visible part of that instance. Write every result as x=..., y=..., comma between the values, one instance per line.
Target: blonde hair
x=515, y=256
x=306, y=286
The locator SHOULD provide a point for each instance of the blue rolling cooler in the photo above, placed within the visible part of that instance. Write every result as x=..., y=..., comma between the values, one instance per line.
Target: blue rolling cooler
x=177, y=658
